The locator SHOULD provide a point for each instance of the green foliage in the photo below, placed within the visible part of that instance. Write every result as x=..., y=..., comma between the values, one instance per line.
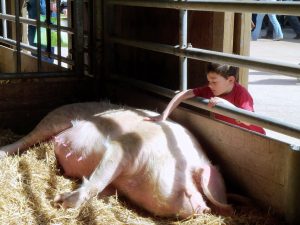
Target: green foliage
x=63, y=35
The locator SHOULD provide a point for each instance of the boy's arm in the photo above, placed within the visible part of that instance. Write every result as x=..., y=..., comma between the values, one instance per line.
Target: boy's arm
x=217, y=100
x=177, y=99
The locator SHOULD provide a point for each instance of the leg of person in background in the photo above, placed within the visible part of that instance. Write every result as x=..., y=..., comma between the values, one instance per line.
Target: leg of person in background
x=277, y=32
x=31, y=8
x=32, y=14
x=269, y=33
x=255, y=34
x=31, y=35
x=253, y=21
x=295, y=24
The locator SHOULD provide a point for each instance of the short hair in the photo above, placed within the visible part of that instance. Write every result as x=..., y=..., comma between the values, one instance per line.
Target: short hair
x=224, y=70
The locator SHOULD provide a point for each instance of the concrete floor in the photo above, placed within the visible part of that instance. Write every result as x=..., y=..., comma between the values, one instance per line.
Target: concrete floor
x=276, y=95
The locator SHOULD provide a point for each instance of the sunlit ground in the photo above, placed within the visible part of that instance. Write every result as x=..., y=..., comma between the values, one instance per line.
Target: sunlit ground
x=275, y=95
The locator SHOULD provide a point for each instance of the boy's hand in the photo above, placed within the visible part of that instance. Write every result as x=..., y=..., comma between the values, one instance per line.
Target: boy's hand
x=217, y=100
x=157, y=118
x=213, y=101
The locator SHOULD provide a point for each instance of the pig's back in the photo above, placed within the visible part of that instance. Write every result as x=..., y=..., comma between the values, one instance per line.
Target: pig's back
x=162, y=157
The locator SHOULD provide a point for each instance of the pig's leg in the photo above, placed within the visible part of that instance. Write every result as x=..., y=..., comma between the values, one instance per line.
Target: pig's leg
x=193, y=203
x=214, y=189
x=40, y=133
x=108, y=169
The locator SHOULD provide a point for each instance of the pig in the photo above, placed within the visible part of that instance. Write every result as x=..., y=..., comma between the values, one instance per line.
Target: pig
x=159, y=166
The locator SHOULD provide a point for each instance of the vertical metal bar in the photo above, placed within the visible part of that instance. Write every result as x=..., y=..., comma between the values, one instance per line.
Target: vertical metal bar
x=18, y=35
x=105, y=21
x=58, y=23
x=108, y=47
x=78, y=36
x=4, y=22
x=48, y=30
x=38, y=34
x=183, y=17
x=292, y=203
x=91, y=33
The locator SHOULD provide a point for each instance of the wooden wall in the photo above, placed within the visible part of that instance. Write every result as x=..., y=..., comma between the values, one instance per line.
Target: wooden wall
x=208, y=30
x=28, y=63
x=24, y=102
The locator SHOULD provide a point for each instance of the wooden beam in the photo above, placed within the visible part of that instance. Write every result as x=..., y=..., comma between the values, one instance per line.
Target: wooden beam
x=241, y=44
x=223, y=32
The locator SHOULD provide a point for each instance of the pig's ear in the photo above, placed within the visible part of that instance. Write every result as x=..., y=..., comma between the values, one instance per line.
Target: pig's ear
x=214, y=188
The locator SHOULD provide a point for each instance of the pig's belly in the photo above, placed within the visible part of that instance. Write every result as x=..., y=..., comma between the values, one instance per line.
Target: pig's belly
x=75, y=167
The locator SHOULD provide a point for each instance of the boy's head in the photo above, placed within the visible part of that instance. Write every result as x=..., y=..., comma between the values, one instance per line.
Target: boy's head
x=221, y=78
x=223, y=70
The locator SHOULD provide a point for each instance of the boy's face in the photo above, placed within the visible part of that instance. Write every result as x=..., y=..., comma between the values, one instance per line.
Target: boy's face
x=218, y=84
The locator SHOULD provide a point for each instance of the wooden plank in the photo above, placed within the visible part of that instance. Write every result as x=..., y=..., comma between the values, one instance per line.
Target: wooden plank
x=29, y=63
x=21, y=100
x=223, y=27
x=241, y=44
x=7, y=64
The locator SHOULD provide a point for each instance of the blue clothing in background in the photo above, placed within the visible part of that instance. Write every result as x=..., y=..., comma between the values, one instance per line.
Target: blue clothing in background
x=32, y=14
x=294, y=21
x=277, y=33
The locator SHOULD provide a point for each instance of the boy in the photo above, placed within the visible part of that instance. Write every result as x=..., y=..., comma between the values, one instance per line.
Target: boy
x=222, y=88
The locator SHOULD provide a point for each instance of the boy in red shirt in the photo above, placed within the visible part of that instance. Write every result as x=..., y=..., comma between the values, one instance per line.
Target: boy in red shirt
x=222, y=88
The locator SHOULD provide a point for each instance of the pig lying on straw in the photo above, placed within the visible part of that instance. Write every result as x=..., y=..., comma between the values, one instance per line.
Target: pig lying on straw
x=159, y=166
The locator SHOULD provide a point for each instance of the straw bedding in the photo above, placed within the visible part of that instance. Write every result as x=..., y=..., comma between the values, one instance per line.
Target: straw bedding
x=29, y=182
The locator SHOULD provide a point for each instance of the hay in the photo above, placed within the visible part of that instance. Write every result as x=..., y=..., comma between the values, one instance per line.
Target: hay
x=29, y=183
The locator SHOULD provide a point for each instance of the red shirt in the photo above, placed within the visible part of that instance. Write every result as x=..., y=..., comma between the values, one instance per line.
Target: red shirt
x=239, y=96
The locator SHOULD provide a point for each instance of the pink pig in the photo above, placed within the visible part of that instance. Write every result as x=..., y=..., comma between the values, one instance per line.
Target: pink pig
x=159, y=166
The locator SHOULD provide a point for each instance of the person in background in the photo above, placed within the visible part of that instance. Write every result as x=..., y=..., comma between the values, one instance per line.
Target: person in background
x=222, y=88
x=253, y=21
x=63, y=7
x=292, y=20
x=277, y=33
x=32, y=14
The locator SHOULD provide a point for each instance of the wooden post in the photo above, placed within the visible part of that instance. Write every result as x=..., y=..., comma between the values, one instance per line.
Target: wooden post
x=231, y=34
x=292, y=191
x=223, y=27
x=241, y=43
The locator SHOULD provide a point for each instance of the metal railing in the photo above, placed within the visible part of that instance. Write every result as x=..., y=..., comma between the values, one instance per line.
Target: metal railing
x=239, y=114
x=73, y=61
x=283, y=8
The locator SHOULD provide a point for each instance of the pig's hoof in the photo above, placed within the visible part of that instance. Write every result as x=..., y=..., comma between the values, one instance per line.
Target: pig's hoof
x=70, y=199
x=201, y=210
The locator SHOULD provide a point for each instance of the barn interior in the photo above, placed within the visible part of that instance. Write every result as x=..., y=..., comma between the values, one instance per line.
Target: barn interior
x=140, y=53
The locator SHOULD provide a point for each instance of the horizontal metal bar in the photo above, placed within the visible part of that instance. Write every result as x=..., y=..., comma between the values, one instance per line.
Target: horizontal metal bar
x=4, y=22
x=214, y=56
x=35, y=50
x=281, y=8
x=9, y=76
x=272, y=66
x=33, y=22
x=236, y=113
